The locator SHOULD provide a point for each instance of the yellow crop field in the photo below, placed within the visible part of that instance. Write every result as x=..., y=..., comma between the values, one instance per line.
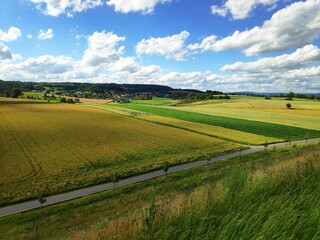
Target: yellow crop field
x=304, y=113
x=233, y=135
x=4, y=100
x=59, y=147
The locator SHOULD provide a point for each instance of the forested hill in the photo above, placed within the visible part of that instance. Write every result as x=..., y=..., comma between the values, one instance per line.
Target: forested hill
x=95, y=89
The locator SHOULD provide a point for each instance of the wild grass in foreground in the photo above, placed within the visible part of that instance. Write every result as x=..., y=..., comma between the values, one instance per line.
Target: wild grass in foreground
x=281, y=204
x=248, y=197
x=261, y=128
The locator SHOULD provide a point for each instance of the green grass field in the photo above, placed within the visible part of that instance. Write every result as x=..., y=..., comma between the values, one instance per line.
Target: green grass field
x=265, y=195
x=156, y=101
x=304, y=113
x=63, y=147
x=260, y=128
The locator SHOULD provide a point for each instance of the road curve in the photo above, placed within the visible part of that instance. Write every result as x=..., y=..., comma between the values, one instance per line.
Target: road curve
x=25, y=206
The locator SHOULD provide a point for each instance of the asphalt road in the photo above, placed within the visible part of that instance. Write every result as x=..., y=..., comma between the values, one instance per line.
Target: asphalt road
x=25, y=206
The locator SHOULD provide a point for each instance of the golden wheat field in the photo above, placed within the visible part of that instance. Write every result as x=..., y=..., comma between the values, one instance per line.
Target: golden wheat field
x=61, y=147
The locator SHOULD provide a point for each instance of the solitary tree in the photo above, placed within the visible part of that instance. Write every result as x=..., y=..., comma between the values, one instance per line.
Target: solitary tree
x=288, y=105
x=41, y=199
x=16, y=92
x=114, y=179
x=166, y=167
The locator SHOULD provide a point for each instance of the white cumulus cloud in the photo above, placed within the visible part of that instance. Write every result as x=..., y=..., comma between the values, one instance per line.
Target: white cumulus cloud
x=5, y=52
x=47, y=64
x=127, y=64
x=144, y=6
x=301, y=57
x=173, y=47
x=240, y=9
x=67, y=7
x=12, y=34
x=45, y=35
x=102, y=48
x=293, y=26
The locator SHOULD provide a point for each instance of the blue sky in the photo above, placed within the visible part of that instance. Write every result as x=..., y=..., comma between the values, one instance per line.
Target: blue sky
x=230, y=45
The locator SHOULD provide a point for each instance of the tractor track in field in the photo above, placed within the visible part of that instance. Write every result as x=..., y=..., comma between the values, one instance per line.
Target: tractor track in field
x=35, y=165
x=54, y=199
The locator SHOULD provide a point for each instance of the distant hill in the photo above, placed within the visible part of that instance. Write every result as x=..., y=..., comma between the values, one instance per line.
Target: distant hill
x=96, y=90
x=270, y=94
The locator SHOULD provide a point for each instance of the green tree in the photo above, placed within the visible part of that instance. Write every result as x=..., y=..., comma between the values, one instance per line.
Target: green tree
x=290, y=94
x=288, y=105
x=70, y=100
x=166, y=167
x=16, y=92
x=114, y=179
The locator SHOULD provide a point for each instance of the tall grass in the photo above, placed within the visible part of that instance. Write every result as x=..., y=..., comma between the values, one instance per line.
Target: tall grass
x=282, y=204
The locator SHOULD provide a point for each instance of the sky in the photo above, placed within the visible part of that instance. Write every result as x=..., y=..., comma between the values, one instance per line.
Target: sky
x=229, y=45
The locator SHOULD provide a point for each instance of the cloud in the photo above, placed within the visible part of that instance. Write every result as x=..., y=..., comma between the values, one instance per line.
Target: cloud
x=127, y=64
x=300, y=58
x=104, y=61
x=45, y=35
x=67, y=7
x=221, y=11
x=5, y=52
x=46, y=64
x=294, y=26
x=102, y=48
x=205, y=45
x=12, y=34
x=173, y=47
x=144, y=6
x=240, y=9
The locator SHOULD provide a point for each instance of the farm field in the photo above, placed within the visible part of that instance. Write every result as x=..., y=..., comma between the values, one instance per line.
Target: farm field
x=156, y=101
x=304, y=113
x=280, y=131
x=4, y=100
x=57, y=147
x=165, y=207
x=216, y=131
x=229, y=134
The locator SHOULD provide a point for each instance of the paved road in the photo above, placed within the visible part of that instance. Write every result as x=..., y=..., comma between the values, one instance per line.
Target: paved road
x=21, y=207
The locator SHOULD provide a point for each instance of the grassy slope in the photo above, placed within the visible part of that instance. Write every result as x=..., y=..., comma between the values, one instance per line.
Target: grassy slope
x=255, y=127
x=251, y=195
x=280, y=205
x=66, y=147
